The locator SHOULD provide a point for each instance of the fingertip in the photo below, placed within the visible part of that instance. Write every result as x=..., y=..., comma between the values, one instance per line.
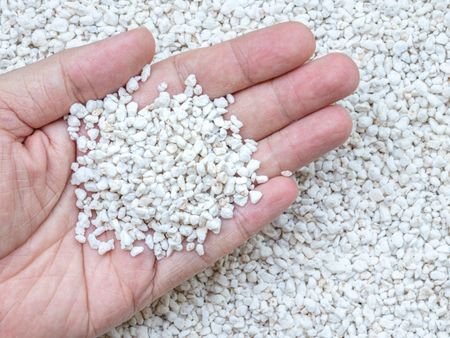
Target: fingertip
x=346, y=122
x=338, y=125
x=301, y=34
x=143, y=39
x=297, y=41
x=285, y=191
x=282, y=47
x=137, y=44
x=347, y=72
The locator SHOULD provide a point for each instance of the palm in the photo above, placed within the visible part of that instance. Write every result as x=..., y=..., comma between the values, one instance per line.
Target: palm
x=67, y=289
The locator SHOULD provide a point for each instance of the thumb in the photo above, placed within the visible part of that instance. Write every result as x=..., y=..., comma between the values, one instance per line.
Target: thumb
x=35, y=95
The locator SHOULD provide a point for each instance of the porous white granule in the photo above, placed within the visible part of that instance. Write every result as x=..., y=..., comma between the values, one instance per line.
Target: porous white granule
x=390, y=178
x=165, y=174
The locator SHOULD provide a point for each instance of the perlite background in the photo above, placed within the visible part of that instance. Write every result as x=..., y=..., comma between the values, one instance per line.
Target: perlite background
x=364, y=250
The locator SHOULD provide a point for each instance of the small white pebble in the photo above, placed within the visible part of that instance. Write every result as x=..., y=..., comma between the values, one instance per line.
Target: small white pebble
x=230, y=98
x=199, y=249
x=81, y=239
x=105, y=247
x=397, y=239
x=286, y=173
x=226, y=213
x=255, y=196
x=145, y=74
x=162, y=86
x=261, y=179
x=190, y=81
x=132, y=85
x=136, y=250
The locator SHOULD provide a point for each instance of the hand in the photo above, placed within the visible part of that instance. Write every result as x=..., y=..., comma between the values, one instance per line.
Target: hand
x=50, y=285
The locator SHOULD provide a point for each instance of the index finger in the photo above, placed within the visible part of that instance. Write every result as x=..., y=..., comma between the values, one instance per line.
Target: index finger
x=235, y=64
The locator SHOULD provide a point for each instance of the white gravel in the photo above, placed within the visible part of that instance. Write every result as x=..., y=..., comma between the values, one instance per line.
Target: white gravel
x=167, y=174
x=364, y=251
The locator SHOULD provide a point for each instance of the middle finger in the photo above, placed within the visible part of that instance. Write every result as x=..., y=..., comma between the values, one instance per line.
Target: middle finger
x=274, y=104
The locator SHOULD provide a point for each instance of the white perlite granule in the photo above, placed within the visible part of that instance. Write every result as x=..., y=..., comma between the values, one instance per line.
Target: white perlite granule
x=331, y=265
x=166, y=174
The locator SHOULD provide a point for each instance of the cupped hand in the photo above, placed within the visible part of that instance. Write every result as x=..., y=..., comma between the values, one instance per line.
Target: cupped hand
x=50, y=285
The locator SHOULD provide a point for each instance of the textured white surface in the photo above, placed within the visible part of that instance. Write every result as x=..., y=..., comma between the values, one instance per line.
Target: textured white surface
x=183, y=183
x=365, y=248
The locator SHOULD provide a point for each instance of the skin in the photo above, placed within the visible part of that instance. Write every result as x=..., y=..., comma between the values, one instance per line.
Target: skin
x=50, y=285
